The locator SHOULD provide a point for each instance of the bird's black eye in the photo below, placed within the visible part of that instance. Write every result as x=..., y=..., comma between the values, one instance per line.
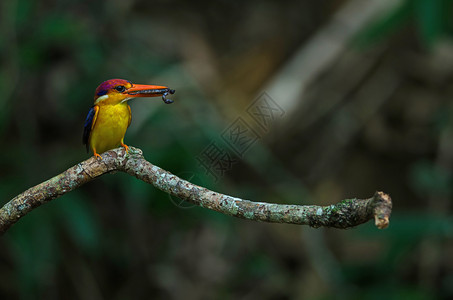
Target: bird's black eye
x=120, y=88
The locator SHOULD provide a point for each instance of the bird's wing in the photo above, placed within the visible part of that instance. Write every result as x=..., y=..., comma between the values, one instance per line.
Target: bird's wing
x=89, y=124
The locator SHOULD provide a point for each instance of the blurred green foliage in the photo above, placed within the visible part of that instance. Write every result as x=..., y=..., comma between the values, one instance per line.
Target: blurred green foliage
x=430, y=18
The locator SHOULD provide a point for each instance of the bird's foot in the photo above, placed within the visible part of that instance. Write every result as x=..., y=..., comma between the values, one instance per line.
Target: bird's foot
x=97, y=156
x=125, y=147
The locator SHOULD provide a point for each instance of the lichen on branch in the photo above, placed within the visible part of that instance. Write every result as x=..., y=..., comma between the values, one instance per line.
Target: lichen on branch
x=345, y=214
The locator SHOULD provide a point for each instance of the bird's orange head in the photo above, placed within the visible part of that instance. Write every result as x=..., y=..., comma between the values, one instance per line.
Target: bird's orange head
x=115, y=91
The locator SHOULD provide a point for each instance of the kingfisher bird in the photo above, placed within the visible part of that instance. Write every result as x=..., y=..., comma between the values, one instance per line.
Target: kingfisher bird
x=110, y=115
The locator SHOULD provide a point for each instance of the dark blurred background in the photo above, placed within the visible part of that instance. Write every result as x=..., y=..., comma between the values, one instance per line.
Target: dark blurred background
x=336, y=99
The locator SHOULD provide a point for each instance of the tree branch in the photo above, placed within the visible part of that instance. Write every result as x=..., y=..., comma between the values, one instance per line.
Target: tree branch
x=345, y=214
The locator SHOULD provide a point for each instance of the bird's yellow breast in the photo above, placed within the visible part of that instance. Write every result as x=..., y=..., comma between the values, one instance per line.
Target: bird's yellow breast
x=110, y=127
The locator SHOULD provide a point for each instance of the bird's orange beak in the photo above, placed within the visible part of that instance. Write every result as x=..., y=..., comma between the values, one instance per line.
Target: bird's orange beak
x=145, y=90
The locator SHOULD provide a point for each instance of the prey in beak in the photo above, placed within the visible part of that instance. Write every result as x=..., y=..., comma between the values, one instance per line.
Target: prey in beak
x=144, y=90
